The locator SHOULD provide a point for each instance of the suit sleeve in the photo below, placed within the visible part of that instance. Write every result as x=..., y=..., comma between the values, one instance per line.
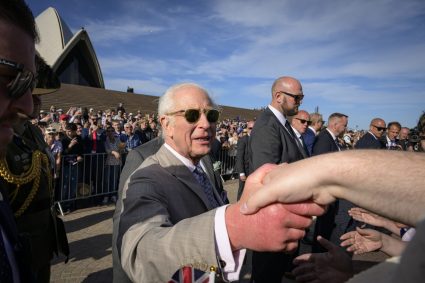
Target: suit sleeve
x=265, y=146
x=151, y=248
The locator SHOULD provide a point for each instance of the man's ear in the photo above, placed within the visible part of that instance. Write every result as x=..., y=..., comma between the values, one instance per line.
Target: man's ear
x=166, y=126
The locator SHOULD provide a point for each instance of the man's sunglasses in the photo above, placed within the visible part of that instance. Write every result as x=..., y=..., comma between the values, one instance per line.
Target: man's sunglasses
x=193, y=115
x=296, y=97
x=24, y=80
x=304, y=121
x=380, y=128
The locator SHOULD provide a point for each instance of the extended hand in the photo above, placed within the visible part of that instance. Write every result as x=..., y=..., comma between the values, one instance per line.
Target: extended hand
x=334, y=266
x=276, y=227
x=362, y=241
x=288, y=183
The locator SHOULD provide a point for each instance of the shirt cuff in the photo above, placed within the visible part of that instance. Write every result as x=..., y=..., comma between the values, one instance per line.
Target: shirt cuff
x=232, y=260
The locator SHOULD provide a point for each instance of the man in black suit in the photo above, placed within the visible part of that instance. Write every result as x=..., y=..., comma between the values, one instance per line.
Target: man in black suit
x=273, y=141
x=17, y=80
x=372, y=138
x=335, y=221
x=134, y=159
x=299, y=124
x=327, y=140
x=242, y=158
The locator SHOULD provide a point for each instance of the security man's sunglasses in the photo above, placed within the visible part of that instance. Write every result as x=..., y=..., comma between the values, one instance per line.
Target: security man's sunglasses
x=193, y=115
x=23, y=81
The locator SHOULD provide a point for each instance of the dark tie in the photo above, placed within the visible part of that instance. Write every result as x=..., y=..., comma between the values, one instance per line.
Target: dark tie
x=5, y=269
x=202, y=179
x=337, y=144
x=289, y=128
x=294, y=136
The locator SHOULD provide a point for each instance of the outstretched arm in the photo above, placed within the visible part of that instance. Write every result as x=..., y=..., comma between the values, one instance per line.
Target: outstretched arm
x=367, y=240
x=353, y=176
x=370, y=218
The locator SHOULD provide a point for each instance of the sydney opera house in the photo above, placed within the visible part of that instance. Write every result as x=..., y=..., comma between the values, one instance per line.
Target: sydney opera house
x=73, y=58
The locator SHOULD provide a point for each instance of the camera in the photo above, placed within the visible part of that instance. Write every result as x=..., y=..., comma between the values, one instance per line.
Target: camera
x=414, y=139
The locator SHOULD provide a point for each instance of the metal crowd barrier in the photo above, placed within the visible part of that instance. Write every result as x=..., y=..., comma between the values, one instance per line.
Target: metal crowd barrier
x=92, y=177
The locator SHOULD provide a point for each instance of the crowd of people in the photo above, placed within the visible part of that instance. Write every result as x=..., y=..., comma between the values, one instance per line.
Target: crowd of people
x=172, y=212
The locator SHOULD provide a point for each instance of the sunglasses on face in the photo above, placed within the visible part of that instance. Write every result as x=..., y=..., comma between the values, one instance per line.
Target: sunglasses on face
x=304, y=121
x=380, y=129
x=23, y=81
x=296, y=97
x=193, y=115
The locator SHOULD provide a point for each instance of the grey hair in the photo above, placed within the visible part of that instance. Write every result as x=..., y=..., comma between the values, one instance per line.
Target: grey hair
x=166, y=101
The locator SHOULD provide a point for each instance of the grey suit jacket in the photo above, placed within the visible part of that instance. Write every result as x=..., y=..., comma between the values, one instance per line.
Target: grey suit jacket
x=167, y=221
x=134, y=159
x=270, y=142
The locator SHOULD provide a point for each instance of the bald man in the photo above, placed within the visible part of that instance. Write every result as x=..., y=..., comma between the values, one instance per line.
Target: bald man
x=372, y=138
x=274, y=141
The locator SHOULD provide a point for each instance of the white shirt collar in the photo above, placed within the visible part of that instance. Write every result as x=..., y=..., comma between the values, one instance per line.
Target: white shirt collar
x=373, y=135
x=332, y=134
x=188, y=163
x=278, y=115
x=296, y=132
x=314, y=131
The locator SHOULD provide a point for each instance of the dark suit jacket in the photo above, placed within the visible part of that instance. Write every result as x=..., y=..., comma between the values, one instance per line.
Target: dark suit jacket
x=242, y=156
x=336, y=221
x=134, y=159
x=324, y=143
x=167, y=221
x=309, y=137
x=270, y=142
x=368, y=141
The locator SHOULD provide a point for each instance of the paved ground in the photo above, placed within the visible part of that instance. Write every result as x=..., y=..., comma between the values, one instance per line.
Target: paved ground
x=90, y=233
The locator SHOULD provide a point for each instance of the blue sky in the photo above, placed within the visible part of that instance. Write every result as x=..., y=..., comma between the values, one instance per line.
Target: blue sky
x=362, y=58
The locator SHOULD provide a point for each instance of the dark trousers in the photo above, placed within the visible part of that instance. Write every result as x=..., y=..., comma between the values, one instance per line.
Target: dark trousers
x=240, y=189
x=269, y=267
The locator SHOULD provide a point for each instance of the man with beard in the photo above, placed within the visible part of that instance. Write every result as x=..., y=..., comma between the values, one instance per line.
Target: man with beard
x=17, y=79
x=273, y=141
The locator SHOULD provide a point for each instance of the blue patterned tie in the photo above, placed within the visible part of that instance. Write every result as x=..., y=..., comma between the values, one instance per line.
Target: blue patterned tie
x=202, y=179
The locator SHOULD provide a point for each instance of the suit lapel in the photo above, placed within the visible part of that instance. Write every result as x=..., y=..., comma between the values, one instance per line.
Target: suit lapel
x=290, y=134
x=176, y=168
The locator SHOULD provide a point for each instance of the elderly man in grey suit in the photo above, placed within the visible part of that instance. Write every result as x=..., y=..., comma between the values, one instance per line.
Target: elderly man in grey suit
x=273, y=141
x=174, y=211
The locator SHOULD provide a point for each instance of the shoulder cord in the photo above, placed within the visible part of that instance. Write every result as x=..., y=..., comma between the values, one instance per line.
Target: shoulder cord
x=33, y=174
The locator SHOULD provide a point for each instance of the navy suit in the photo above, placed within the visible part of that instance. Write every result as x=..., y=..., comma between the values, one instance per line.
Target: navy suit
x=271, y=142
x=309, y=137
x=369, y=141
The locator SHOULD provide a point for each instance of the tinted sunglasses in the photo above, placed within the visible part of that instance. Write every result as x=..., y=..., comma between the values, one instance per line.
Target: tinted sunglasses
x=23, y=81
x=193, y=115
x=380, y=128
x=304, y=121
x=296, y=97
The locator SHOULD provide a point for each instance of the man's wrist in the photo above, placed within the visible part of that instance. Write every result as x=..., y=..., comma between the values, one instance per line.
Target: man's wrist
x=232, y=216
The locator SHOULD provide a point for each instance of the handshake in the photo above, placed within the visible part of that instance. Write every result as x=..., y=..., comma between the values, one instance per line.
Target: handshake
x=279, y=200
x=274, y=227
